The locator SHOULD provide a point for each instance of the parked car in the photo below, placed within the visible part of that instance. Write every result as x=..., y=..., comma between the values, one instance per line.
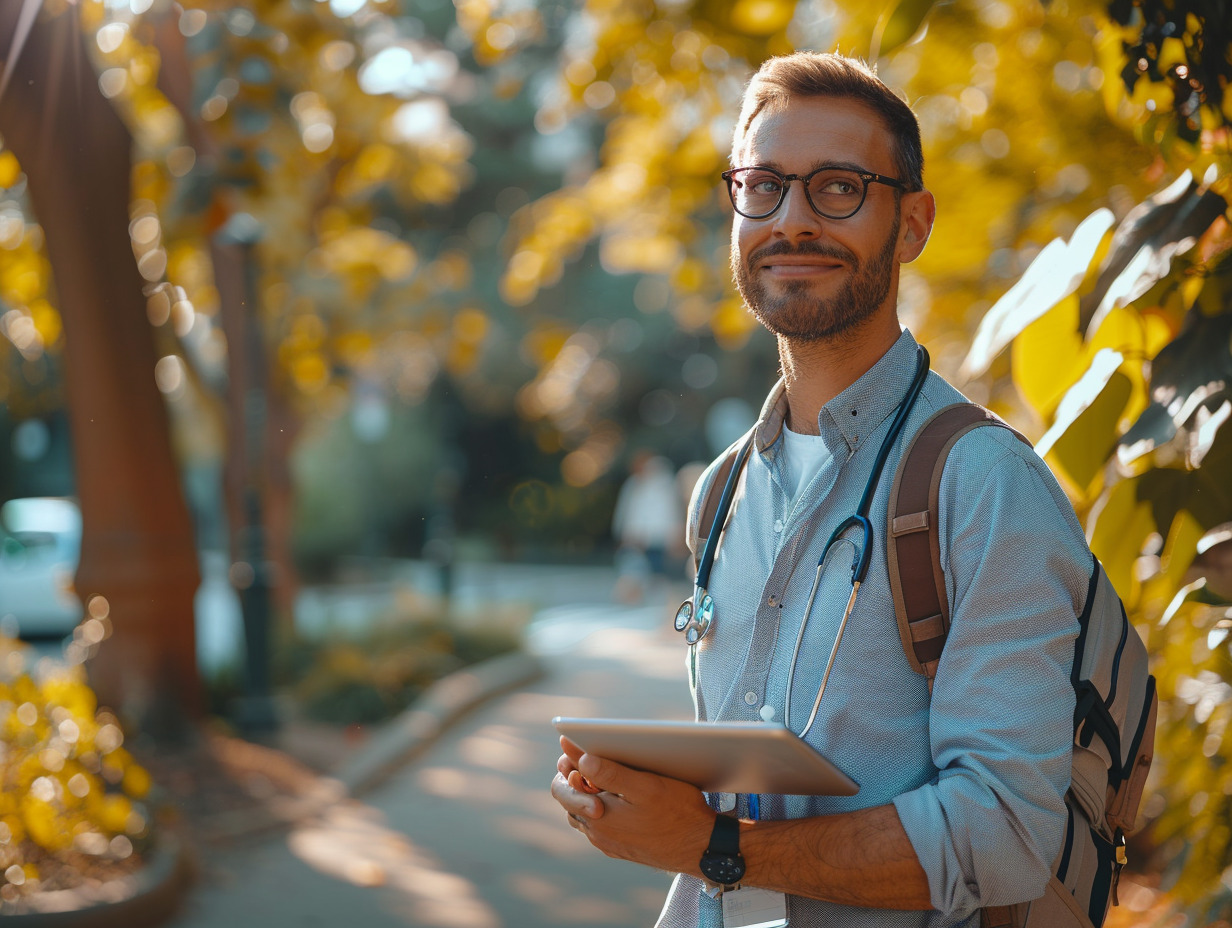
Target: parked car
x=40, y=544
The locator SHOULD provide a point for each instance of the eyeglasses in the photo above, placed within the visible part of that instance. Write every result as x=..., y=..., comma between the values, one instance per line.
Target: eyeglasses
x=835, y=193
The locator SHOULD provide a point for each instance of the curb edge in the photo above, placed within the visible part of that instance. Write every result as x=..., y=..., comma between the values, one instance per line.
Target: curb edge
x=444, y=703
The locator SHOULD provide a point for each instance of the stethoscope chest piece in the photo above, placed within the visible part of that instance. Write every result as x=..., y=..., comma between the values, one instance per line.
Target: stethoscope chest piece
x=684, y=615
x=695, y=622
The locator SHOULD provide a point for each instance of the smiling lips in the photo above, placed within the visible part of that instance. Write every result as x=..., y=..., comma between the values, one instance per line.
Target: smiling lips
x=790, y=267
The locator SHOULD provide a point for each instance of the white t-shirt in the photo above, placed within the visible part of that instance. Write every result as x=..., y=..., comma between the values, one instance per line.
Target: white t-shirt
x=803, y=457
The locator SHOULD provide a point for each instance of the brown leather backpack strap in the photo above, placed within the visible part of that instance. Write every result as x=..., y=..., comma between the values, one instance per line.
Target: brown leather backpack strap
x=710, y=505
x=1007, y=916
x=917, y=578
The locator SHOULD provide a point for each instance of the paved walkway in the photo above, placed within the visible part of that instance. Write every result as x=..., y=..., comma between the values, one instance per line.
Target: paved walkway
x=467, y=836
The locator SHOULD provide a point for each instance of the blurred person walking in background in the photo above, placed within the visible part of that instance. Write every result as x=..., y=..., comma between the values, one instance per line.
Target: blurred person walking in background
x=648, y=525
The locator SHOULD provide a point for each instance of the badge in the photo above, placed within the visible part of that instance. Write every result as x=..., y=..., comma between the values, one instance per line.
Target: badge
x=754, y=908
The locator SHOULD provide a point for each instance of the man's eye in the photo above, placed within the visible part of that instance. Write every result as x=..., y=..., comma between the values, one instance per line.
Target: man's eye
x=767, y=185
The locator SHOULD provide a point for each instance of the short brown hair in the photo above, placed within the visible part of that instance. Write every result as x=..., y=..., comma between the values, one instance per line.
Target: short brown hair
x=816, y=74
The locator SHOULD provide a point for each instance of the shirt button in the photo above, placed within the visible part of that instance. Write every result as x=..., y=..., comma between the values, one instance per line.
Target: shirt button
x=750, y=698
x=778, y=525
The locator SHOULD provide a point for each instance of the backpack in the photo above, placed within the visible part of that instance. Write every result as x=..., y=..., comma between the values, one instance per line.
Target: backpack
x=1115, y=700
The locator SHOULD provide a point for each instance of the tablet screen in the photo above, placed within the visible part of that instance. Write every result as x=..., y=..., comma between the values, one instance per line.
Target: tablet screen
x=720, y=757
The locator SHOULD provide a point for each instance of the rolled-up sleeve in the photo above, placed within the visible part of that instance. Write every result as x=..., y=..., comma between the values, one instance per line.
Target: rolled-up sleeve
x=989, y=825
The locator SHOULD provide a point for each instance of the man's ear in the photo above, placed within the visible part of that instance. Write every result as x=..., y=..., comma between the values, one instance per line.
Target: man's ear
x=918, y=212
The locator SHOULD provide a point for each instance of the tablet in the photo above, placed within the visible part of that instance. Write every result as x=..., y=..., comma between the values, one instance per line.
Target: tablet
x=718, y=757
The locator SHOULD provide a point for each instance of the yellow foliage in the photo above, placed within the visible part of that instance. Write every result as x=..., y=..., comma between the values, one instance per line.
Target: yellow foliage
x=633, y=250
x=10, y=169
x=353, y=346
x=461, y=357
x=56, y=754
x=1179, y=550
x=112, y=812
x=470, y=326
x=25, y=277
x=543, y=343
x=42, y=822
x=397, y=261
x=46, y=321
x=310, y=373
x=15, y=826
x=375, y=164
x=1046, y=357
x=451, y=271
x=1121, y=524
x=1171, y=53
x=136, y=782
x=732, y=323
x=70, y=690
x=435, y=183
x=761, y=17
x=689, y=275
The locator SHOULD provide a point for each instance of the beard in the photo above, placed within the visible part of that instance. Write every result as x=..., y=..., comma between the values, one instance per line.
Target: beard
x=798, y=315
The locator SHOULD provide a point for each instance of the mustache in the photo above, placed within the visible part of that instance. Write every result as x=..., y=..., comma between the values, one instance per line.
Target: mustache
x=811, y=249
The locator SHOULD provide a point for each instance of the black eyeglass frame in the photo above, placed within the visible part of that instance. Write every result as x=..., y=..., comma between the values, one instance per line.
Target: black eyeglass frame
x=868, y=177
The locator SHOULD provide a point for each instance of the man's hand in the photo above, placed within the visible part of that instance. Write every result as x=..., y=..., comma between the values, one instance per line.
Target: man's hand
x=625, y=813
x=861, y=858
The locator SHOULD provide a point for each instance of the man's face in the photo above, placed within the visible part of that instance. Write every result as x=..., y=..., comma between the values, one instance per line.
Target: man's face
x=803, y=276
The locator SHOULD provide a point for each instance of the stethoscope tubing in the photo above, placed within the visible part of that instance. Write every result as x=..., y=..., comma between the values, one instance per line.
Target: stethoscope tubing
x=859, y=566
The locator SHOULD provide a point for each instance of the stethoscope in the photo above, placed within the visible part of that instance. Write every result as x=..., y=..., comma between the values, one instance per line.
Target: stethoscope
x=696, y=616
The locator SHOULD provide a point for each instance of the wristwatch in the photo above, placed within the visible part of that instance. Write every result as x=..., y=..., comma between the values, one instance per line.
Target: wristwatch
x=722, y=863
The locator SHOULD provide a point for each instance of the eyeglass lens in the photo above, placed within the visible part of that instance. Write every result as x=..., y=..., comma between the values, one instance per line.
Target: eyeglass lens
x=835, y=193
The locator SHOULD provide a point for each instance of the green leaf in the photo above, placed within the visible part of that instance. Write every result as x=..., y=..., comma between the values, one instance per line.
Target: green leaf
x=1191, y=391
x=1056, y=272
x=1085, y=432
x=1046, y=357
x=1154, y=232
x=1206, y=493
x=899, y=22
x=1117, y=528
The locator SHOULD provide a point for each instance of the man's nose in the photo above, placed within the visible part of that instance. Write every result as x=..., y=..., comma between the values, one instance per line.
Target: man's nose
x=795, y=218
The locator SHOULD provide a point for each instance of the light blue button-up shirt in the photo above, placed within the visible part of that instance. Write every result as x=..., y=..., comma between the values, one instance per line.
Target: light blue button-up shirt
x=977, y=773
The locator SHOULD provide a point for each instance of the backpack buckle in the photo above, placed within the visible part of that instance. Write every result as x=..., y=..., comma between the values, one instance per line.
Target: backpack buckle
x=1122, y=858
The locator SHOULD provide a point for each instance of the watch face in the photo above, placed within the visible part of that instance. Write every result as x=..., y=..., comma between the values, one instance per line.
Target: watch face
x=725, y=869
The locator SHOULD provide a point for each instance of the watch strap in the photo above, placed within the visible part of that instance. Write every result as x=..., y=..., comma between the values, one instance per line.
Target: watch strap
x=725, y=838
x=722, y=863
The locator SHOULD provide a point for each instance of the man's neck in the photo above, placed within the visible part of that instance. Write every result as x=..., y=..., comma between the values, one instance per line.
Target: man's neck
x=814, y=372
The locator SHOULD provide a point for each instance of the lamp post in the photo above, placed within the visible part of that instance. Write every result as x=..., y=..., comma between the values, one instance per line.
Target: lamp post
x=247, y=401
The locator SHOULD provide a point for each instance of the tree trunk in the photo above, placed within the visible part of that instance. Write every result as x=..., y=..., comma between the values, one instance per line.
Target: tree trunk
x=137, y=547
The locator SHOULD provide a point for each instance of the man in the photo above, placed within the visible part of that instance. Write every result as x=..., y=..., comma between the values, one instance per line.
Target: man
x=961, y=794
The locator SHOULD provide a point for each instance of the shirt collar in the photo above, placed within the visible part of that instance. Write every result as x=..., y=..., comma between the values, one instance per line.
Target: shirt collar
x=855, y=413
